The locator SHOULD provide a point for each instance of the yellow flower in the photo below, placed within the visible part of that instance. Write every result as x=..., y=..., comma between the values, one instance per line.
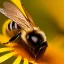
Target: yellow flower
x=53, y=54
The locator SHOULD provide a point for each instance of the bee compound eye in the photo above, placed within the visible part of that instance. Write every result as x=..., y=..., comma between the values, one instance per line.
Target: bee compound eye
x=34, y=39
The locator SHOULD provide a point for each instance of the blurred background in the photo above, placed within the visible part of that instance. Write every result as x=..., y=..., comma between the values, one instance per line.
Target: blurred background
x=48, y=15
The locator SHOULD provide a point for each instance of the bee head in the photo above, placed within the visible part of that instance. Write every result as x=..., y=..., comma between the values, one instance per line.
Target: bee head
x=36, y=41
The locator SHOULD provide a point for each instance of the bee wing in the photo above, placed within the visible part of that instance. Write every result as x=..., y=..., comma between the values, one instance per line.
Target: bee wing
x=12, y=12
x=29, y=18
x=18, y=12
x=13, y=8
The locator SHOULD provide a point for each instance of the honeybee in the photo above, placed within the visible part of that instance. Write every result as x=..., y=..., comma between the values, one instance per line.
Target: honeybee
x=30, y=35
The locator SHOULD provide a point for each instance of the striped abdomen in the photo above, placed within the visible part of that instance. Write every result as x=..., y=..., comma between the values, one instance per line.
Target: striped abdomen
x=12, y=29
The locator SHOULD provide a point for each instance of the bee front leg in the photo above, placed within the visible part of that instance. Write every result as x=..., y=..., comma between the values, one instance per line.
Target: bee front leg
x=13, y=38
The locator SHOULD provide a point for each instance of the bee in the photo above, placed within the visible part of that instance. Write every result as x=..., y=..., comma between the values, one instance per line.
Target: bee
x=30, y=35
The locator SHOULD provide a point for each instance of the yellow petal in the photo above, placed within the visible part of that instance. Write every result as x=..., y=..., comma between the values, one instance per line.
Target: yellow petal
x=18, y=60
x=33, y=62
x=26, y=61
x=6, y=56
x=5, y=26
x=18, y=4
x=3, y=39
x=5, y=49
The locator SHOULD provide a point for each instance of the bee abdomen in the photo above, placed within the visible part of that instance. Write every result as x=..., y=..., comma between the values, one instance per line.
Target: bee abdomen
x=12, y=26
x=12, y=29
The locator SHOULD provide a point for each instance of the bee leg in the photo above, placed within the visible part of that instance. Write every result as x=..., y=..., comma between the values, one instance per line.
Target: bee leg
x=13, y=38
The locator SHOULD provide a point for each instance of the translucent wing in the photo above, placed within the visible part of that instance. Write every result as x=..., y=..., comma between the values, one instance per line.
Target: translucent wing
x=12, y=12
x=29, y=18
x=18, y=12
